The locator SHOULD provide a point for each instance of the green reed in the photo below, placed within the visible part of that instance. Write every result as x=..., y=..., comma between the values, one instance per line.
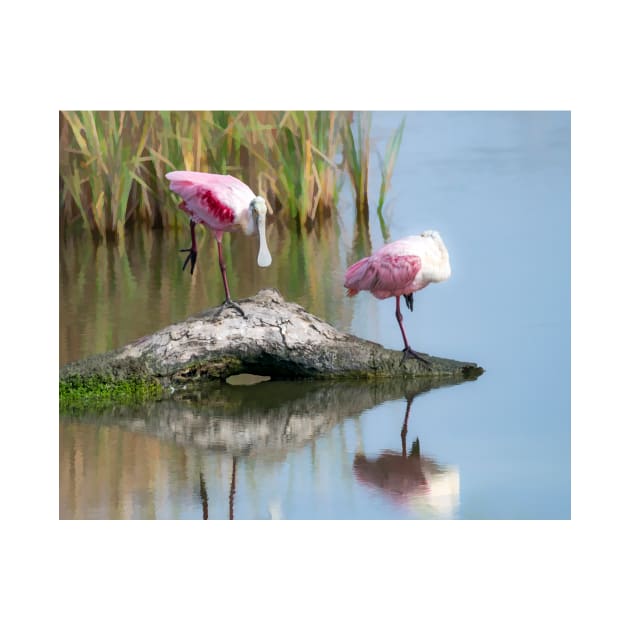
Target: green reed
x=387, y=170
x=356, y=144
x=112, y=164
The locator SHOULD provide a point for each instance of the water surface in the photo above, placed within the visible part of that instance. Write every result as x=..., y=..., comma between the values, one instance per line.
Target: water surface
x=497, y=187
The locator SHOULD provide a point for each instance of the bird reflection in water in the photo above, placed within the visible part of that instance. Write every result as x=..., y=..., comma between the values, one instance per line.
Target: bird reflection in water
x=411, y=479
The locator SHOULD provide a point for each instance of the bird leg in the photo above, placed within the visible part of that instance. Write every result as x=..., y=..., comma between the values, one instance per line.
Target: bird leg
x=228, y=300
x=407, y=351
x=192, y=256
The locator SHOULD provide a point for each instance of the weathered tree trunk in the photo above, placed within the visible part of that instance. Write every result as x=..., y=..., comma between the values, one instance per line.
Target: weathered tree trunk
x=276, y=338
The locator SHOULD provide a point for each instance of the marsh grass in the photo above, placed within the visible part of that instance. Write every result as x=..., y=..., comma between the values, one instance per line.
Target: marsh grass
x=112, y=164
x=387, y=164
x=356, y=153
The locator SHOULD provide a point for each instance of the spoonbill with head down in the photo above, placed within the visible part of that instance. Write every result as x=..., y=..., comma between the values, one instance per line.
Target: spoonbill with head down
x=223, y=204
x=401, y=268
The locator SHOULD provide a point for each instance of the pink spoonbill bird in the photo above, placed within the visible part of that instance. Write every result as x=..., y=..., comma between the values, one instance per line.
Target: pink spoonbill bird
x=223, y=204
x=401, y=268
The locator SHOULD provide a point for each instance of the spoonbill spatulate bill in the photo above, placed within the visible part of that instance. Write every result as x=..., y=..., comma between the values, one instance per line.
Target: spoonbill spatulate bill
x=223, y=204
x=399, y=269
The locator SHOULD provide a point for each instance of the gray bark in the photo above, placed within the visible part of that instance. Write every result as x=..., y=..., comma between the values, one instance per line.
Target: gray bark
x=276, y=338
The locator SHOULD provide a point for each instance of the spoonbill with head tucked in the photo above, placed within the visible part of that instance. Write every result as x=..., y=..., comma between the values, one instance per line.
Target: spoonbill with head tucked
x=401, y=268
x=223, y=204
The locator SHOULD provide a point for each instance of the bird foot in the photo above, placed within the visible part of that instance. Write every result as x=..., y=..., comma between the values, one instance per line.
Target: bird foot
x=408, y=352
x=192, y=257
x=230, y=304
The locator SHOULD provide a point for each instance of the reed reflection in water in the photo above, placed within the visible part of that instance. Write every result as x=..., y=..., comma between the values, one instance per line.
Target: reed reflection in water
x=111, y=294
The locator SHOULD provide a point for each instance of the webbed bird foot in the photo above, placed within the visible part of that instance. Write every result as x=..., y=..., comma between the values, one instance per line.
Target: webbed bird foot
x=192, y=257
x=230, y=304
x=408, y=352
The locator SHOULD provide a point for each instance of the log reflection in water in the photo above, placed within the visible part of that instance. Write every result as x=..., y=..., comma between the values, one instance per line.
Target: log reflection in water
x=271, y=419
x=261, y=424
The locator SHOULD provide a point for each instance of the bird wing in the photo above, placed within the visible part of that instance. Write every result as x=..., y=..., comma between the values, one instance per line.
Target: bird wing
x=194, y=187
x=386, y=274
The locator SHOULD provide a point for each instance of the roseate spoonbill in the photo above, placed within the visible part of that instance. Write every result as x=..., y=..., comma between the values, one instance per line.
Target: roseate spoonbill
x=223, y=204
x=411, y=479
x=401, y=268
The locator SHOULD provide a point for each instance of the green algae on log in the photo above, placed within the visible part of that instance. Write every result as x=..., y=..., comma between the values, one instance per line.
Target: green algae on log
x=276, y=338
x=78, y=391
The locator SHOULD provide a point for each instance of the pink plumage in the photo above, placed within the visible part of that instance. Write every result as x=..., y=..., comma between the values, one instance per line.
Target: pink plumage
x=401, y=268
x=218, y=201
x=223, y=204
x=384, y=276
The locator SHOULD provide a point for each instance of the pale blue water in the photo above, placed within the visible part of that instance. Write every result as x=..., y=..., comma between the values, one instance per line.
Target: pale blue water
x=497, y=187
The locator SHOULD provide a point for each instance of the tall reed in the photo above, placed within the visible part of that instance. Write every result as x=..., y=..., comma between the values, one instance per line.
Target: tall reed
x=112, y=164
x=387, y=170
x=356, y=143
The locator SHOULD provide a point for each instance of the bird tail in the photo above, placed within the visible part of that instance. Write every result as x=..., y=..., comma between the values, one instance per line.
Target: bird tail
x=353, y=277
x=409, y=300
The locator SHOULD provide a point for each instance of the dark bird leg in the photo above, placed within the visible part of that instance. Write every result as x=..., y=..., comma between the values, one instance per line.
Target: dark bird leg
x=407, y=351
x=228, y=300
x=192, y=256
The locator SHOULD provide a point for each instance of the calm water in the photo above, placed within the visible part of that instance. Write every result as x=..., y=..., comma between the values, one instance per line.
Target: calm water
x=497, y=186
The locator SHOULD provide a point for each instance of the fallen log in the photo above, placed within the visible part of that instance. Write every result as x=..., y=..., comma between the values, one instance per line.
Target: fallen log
x=275, y=338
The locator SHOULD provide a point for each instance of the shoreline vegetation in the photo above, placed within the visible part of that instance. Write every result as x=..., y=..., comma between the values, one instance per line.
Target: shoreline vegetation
x=112, y=164
x=113, y=185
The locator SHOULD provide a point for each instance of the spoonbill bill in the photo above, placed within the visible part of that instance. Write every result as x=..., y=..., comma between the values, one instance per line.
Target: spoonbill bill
x=223, y=204
x=401, y=268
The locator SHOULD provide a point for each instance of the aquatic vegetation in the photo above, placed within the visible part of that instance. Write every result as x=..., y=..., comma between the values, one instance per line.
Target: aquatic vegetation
x=387, y=170
x=112, y=164
x=77, y=392
x=357, y=157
